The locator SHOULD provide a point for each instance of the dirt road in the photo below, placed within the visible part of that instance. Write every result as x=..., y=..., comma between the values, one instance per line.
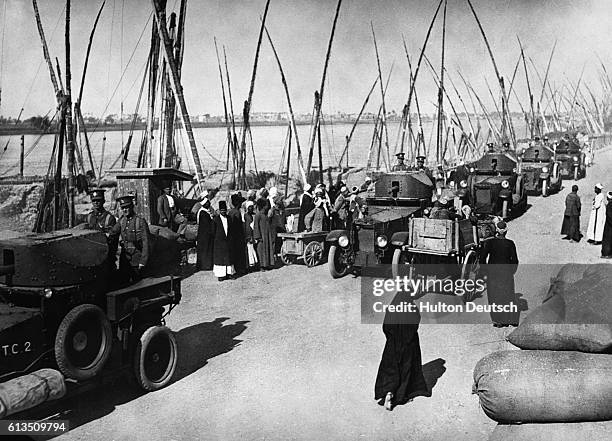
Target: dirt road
x=282, y=355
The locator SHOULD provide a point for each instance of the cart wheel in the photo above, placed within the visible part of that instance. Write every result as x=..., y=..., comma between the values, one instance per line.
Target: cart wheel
x=155, y=358
x=83, y=342
x=313, y=253
x=469, y=271
x=402, y=264
x=287, y=259
x=337, y=262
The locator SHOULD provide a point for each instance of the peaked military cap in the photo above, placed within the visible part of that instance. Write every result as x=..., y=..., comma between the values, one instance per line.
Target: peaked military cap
x=420, y=158
x=400, y=155
x=96, y=194
x=126, y=201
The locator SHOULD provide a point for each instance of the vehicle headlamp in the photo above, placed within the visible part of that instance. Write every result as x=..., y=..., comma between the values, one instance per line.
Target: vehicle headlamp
x=343, y=241
x=463, y=184
x=472, y=169
x=544, y=169
x=426, y=212
x=575, y=158
x=381, y=241
x=48, y=292
x=505, y=184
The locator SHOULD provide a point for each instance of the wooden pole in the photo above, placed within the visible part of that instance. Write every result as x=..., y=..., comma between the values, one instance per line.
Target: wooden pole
x=234, y=144
x=416, y=72
x=227, y=121
x=440, y=93
x=241, y=184
x=69, y=128
x=317, y=115
x=177, y=88
x=21, y=156
x=288, y=162
x=382, y=92
x=291, y=114
x=46, y=49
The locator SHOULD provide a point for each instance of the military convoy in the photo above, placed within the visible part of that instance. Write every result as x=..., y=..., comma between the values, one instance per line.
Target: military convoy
x=495, y=186
x=540, y=169
x=571, y=158
x=398, y=196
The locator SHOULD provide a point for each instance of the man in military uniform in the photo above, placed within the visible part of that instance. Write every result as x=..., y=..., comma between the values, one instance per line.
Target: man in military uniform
x=400, y=166
x=132, y=231
x=490, y=147
x=99, y=218
x=420, y=165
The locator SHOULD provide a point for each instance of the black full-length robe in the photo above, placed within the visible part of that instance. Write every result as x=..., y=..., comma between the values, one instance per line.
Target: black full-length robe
x=204, y=241
x=400, y=371
x=265, y=235
x=500, y=256
x=306, y=207
x=571, y=217
x=235, y=231
x=606, y=240
x=221, y=246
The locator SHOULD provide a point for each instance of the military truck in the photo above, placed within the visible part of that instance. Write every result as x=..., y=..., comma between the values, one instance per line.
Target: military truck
x=66, y=320
x=398, y=196
x=496, y=188
x=540, y=169
x=571, y=158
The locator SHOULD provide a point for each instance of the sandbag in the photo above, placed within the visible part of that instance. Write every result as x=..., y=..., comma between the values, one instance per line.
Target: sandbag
x=552, y=326
x=577, y=314
x=191, y=232
x=592, y=431
x=544, y=386
x=30, y=390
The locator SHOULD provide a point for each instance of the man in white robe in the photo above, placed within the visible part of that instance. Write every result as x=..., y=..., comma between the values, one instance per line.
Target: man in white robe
x=598, y=217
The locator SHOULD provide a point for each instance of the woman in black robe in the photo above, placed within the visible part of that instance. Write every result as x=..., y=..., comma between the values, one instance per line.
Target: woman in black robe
x=204, y=240
x=400, y=374
x=306, y=206
x=606, y=240
x=500, y=255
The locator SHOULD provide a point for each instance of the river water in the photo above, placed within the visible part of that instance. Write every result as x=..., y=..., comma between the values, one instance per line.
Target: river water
x=268, y=142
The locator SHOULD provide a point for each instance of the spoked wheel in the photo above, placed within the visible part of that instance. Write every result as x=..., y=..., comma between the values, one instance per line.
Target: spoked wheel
x=155, y=358
x=286, y=258
x=313, y=253
x=83, y=342
x=402, y=264
x=469, y=271
x=338, y=262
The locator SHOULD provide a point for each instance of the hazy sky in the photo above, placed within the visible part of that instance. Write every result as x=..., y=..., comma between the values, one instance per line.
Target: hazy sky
x=300, y=29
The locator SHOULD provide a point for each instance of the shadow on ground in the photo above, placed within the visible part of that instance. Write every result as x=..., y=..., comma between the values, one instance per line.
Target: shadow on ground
x=197, y=344
x=432, y=371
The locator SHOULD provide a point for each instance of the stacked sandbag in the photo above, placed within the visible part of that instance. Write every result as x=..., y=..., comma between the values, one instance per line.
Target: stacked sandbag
x=544, y=386
x=576, y=316
x=30, y=390
x=563, y=373
x=592, y=431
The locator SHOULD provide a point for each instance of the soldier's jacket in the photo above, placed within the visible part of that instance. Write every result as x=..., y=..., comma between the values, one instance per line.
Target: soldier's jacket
x=101, y=221
x=134, y=234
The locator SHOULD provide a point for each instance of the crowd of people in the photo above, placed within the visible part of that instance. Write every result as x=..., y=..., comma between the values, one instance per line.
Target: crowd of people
x=599, y=229
x=244, y=238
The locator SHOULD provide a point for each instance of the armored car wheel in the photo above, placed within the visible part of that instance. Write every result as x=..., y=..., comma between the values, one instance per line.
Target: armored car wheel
x=545, y=187
x=313, y=253
x=83, y=342
x=469, y=271
x=402, y=264
x=504, y=213
x=155, y=358
x=337, y=262
x=576, y=173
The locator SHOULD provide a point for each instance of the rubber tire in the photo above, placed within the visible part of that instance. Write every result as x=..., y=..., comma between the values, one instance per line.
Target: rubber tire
x=331, y=263
x=576, y=174
x=395, y=264
x=140, y=359
x=504, y=213
x=471, y=254
x=65, y=365
x=545, y=188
